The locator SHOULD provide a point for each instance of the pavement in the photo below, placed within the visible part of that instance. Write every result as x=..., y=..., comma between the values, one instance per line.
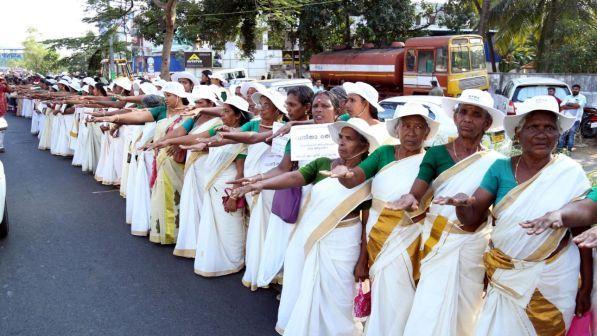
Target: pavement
x=69, y=265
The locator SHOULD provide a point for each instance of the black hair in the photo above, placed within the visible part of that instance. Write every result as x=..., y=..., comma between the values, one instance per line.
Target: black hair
x=303, y=93
x=551, y=88
x=339, y=92
x=372, y=109
x=576, y=85
x=101, y=88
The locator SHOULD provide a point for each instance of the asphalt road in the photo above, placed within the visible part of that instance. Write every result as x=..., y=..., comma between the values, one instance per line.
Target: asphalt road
x=70, y=266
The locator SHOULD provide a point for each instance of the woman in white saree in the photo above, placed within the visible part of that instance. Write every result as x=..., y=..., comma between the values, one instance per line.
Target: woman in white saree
x=449, y=291
x=391, y=257
x=191, y=198
x=319, y=284
x=221, y=231
x=533, y=279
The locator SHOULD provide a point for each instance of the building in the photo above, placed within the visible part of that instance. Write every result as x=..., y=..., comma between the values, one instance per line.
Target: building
x=8, y=54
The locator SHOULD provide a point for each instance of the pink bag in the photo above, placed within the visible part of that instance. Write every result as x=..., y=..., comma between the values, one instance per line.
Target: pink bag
x=362, y=302
x=581, y=326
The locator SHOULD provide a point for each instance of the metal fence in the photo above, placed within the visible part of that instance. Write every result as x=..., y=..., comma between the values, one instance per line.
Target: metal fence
x=587, y=82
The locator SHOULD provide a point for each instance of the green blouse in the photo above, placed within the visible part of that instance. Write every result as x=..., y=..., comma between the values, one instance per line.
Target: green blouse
x=311, y=174
x=499, y=179
x=593, y=194
x=158, y=113
x=380, y=158
x=436, y=161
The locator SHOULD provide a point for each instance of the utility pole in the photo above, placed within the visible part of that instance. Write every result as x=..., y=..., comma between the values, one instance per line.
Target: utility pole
x=111, y=49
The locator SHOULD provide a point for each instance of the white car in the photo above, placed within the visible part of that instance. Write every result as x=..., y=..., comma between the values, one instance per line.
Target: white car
x=283, y=85
x=447, y=129
x=3, y=212
x=508, y=98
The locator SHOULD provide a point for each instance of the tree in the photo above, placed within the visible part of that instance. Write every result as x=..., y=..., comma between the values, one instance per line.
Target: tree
x=458, y=15
x=386, y=21
x=36, y=57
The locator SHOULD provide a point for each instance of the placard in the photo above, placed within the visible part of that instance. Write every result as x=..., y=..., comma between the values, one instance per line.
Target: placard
x=279, y=143
x=198, y=59
x=309, y=142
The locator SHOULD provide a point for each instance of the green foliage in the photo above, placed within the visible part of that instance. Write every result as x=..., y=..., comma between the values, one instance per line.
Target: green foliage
x=36, y=57
x=458, y=15
x=387, y=21
x=574, y=48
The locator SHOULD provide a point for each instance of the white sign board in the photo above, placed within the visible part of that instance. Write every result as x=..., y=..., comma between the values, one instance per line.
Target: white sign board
x=279, y=143
x=309, y=142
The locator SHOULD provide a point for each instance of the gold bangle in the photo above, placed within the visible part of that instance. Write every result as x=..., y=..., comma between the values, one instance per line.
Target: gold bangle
x=260, y=176
x=117, y=118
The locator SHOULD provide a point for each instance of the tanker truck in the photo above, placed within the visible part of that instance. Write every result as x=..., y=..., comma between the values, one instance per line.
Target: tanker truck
x=456, y=62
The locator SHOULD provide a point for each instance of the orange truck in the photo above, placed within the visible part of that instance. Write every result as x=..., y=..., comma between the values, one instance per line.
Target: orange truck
x=456, y=62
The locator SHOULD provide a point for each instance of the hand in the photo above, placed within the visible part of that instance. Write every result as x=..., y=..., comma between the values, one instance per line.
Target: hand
x=172, y=150
x=339, y=171
x=230, y=205
x=200, y=147
x=583, y=301
x=551, y=220
x=458, y=200
x=254, y=189
x=361, y=269
x=587, y=239
x=407, y=202
x=281, y=131
x=224, y=128
x=247, y=180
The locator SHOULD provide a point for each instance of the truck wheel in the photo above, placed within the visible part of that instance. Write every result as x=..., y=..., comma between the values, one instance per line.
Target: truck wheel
x=4, y=223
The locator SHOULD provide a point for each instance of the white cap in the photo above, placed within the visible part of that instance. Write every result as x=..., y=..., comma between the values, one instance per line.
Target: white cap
x=159, y=82
x=85, y=88
x=89, y=81
x=55, y=87
x=148, y=88
x=537, y=103
x=278, y=99
x=245, y=86
x=124, y=83
x=410, y=109
x=359, y=125
x=238, y=102
x=218, y=76
x=75, y=86
x=64, y=82
x=366, y=91
x=66, y=78
x=204, y=92
x=477, y=98
x=187, y=75
x=175, y=88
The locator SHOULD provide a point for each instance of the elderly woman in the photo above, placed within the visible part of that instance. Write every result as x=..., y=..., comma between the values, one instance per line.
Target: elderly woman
x=390, y=243
x=532, y=278
x=449, y=252
x=318, y=279
x=167, y=174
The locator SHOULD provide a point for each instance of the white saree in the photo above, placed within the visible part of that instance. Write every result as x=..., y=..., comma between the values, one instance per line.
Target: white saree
x=393, y=244
x=449, y=293
x=192, y=195
x=220, y=248
x=137, y=142
x=259, y=159
x=45, y=133
x=318, y=292
x=532, y=293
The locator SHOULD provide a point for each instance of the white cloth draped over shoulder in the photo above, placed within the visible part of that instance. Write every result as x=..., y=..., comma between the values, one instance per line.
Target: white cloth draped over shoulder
x=319, y=283
x=259, y=159
x=220, y=235
x=449, y=292
x=140, y=202
x=393, y=244
x=192, y=195
x=531, y=293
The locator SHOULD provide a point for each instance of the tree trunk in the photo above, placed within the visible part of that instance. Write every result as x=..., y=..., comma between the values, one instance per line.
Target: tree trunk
x=546, y=34
x=170, y=18
x=347, y=25
x=483, y=17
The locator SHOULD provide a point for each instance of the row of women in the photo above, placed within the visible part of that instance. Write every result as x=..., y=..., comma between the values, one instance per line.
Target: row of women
x=424, y=225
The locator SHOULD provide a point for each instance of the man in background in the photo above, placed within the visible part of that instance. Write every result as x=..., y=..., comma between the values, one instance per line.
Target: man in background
x=572, y=106
x=435, y=89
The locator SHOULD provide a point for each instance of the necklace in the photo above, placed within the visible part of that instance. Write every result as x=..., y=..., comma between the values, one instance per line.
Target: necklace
x=516, y=169
x=456, y=154
x=267, y=126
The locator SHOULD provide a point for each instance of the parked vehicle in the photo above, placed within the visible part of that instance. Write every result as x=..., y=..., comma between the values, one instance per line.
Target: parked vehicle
x=456, y=62
x=3, y=212
x=588, y=123
x=515, y=91
x=283, y=85
x=233, y=76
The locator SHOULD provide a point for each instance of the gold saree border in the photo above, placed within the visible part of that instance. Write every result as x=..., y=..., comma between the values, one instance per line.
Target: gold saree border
x=219, y=273
x=330, y=222
x=546, y=318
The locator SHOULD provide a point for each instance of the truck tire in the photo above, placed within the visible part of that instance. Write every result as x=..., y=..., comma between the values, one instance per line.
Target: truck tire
x=4, y=223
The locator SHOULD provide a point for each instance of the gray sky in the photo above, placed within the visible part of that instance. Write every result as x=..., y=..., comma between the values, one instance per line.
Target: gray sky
x=52, y=19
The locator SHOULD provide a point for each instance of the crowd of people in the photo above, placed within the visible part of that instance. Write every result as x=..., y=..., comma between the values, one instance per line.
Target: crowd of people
x=452, y=239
